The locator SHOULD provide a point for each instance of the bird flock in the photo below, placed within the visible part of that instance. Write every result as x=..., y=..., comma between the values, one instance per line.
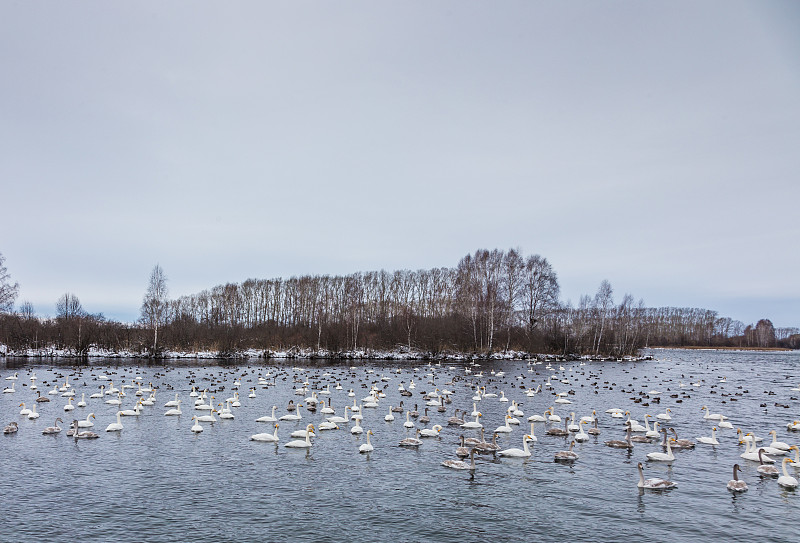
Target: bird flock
x=467, y=405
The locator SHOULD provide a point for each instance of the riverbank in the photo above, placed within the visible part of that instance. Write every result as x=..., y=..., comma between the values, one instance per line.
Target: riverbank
x=700, y=348
x=313, y=354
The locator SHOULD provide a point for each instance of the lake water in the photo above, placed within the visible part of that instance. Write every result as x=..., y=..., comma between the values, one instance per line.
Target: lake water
x=157, y=481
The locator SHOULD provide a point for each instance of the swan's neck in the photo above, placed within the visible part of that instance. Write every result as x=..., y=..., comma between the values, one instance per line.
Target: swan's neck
x=641, y=476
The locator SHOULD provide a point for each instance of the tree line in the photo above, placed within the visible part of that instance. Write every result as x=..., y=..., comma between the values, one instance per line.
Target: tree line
x=491, y=301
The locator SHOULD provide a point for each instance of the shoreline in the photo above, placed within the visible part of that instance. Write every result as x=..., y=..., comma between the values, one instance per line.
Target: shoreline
x=747, y=349
x=313, y=354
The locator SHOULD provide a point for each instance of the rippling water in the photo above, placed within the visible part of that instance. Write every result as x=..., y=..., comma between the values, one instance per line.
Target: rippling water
x=157, y=481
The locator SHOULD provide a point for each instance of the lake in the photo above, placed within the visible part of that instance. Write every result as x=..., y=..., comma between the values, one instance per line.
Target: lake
x=158, y=481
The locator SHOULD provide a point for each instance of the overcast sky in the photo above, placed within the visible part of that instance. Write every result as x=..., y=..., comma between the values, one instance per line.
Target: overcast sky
x=652, y=144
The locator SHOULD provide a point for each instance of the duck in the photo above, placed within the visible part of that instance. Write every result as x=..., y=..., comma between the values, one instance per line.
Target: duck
x=300, y=444
x=517, y=453
x=54, y=429
x=653, y=484
x=366, y=447
x=705, y=440
x=786, y=480
x=735, y=485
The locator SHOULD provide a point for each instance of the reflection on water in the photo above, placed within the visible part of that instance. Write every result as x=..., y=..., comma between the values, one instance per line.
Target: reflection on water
x=156, y=479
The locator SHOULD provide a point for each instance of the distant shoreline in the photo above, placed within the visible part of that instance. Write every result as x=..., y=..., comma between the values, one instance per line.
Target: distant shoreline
x=699, y=348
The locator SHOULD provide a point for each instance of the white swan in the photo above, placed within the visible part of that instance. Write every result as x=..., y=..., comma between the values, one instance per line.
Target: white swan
x=302, y=444
x=173, y=403
x=662, y=457
x=475, y=423
x=664, y=416
x=431, y=432
x=581, y=435
x=517, y=453
x=340, y=420
x=709, y=440
x=196, y=427
x=778, y=444
x=357, y=429
x=174, y=412
x=115, y=426
x=751, y=453
x=786, y=480
x=86, y=423
x=33, y=414
x=269, y=418
x=505, y=429
x=82, y=403
x=390, y=416
x=295, y=416
x=408, y=423
x=272, y=438
x=366, y=447
x=708, y=415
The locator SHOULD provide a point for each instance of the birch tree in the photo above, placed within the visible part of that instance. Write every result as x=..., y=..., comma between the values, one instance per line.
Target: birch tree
x=155, y=303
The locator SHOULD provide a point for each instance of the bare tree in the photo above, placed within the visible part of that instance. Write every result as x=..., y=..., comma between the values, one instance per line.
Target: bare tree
x=69, y=307
x=155, y=303
x=603, y=301
x=8, y=290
